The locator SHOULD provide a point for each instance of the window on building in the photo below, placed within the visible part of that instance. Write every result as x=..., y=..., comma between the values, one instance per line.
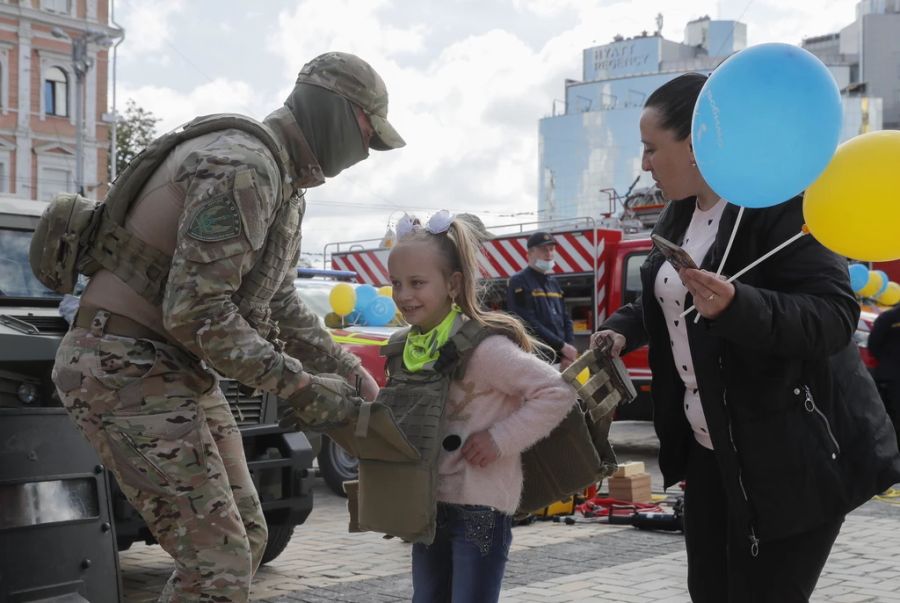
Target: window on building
x=61, y=7
x=4, y=178
x=56, y=92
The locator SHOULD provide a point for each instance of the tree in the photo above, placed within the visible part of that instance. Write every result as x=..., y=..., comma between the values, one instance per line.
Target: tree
x=134, y=131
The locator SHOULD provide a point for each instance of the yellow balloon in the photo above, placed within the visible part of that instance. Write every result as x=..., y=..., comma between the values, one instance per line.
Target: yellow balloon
x=386, y=291
x=854, y=206
x=891, y=295
x=872, y=285
x=342, y=299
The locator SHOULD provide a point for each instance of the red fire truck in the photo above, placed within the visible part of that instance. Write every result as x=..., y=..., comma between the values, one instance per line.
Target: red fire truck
x=596, y=266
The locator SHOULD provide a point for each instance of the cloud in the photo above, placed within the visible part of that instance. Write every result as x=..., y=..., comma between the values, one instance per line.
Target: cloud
x=314, y=27
x=174, y=107
x=772, y=21
x=466, y=94
x=147, y=25
x=466, y=112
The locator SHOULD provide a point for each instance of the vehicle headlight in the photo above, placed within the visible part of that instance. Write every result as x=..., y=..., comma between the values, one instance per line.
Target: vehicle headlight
x=27, y=393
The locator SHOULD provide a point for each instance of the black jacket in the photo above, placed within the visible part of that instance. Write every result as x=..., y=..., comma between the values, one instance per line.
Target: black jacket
x=800, y=434
x=538, y=300
x=884, y=344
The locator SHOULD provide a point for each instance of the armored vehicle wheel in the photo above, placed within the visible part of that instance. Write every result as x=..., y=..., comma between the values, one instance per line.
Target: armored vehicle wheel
x=337, y=466
x=279, y=537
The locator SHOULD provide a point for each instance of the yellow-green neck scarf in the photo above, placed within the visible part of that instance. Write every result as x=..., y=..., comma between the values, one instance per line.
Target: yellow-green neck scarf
x=424, y=348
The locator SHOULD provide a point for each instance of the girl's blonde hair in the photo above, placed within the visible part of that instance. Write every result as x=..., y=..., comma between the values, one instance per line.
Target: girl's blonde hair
x=459, y=248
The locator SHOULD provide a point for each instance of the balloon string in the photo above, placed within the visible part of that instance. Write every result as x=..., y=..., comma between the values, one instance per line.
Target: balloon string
x=734, y=230
x=756, y=262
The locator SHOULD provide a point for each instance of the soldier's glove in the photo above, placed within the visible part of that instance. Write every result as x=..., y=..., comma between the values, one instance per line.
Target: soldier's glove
x=327, y=402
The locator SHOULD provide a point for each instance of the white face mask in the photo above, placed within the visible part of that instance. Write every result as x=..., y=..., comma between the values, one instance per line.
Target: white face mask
x=545, y=266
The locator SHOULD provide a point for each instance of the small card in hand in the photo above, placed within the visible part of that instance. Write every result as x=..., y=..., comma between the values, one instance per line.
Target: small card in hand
x=676, y=256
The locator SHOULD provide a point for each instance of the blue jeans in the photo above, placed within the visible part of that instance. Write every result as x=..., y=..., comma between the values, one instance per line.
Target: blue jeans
x=465, y=563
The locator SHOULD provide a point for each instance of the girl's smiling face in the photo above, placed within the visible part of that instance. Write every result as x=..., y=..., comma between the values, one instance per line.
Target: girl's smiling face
x=422, y=290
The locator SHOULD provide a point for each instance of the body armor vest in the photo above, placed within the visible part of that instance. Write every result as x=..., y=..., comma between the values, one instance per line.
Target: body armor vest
x=93, y=236
x=398, y=438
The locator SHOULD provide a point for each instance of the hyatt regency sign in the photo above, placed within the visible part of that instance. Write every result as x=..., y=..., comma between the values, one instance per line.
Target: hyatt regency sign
x=620, y=59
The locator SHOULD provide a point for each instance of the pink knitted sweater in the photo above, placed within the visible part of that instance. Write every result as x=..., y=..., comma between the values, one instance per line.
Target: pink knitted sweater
x=520, y=399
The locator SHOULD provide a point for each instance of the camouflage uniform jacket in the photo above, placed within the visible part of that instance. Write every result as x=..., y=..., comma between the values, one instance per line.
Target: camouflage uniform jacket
x=238, y=234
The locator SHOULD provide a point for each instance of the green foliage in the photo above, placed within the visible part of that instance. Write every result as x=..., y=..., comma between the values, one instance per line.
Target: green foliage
x=135, y=130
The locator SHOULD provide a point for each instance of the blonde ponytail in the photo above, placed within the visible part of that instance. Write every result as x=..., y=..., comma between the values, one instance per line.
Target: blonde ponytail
x=459, y=249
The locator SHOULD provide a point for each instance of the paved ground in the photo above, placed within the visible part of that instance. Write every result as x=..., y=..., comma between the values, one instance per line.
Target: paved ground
x=550, y=562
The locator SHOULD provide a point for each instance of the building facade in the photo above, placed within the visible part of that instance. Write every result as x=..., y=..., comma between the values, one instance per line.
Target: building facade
x=865, y=60
x=590, y=153
x=38, y=86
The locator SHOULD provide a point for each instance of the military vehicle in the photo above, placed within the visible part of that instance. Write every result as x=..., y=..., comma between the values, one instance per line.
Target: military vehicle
x=56, y=510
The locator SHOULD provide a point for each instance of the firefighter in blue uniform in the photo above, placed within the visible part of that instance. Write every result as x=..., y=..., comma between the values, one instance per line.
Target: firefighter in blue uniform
x=537, y=299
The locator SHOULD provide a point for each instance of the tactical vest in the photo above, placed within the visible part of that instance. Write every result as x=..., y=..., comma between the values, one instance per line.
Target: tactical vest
x=76, y=235
x=398, y=437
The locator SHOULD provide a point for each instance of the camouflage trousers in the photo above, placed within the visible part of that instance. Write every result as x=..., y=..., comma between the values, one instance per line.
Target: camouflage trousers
x=160, y=423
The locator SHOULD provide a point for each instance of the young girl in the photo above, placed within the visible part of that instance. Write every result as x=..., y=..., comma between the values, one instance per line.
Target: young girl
x=506, y=400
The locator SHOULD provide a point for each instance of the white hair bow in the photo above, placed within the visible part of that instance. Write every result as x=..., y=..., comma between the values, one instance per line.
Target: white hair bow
x=439, y=222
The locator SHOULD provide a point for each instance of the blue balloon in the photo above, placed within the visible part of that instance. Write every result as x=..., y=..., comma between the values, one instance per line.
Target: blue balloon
x=766, y=124
x=380, y=311
x=885, y=279
x=859, y=276
x=354, y=318
x=364, y=295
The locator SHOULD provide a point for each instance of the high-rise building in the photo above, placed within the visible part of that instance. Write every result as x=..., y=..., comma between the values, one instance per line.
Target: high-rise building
x=865, y=60
x=49, y=49
x=593, y=147
x=590, y=152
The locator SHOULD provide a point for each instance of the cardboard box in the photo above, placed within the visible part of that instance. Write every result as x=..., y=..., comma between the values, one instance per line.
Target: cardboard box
x=633, y=488
x=627, y=469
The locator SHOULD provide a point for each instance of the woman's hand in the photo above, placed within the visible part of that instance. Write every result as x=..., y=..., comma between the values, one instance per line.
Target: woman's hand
x=712, y=294
x=568, y=355
x=618, y=341
x=480, y=449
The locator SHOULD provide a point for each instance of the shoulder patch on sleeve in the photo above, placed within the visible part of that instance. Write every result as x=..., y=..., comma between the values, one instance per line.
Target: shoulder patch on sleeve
x=216, y=220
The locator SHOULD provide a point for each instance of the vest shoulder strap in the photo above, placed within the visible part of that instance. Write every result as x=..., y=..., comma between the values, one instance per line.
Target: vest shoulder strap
x=393, y=351
x=142, y=267
x=457, y=352
x=128, y=185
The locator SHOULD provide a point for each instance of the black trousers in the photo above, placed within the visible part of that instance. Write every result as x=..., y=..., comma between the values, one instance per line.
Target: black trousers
x=720, y=566
x=890, y=395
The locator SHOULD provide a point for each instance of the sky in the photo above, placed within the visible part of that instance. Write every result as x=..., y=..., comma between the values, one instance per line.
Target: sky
x=468, y=81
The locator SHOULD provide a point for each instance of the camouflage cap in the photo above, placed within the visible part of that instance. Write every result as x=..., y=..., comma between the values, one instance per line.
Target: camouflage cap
x=354, y=79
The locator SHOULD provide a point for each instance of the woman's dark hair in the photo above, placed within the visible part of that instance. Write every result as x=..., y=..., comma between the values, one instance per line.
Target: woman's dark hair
x=675, y=102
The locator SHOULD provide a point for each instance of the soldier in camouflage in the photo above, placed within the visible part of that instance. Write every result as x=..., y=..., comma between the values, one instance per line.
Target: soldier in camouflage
x=140, y=379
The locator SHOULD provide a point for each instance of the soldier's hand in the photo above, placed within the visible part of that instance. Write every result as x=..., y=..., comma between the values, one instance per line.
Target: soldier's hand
x=618, y=341
x=327, y=402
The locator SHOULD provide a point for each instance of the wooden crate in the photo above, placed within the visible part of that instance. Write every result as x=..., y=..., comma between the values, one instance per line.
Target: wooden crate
x=633, y=488
x=628, y=469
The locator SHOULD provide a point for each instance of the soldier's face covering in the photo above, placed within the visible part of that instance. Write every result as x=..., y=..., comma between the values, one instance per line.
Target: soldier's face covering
x=330, y=126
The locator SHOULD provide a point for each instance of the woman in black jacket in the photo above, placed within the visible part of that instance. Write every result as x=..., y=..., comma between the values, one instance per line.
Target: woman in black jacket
x=763, y=406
